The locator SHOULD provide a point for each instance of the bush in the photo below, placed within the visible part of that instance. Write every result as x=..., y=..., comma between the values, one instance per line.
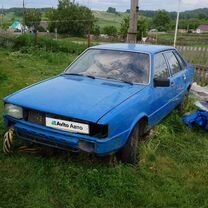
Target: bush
x=6, y=41
x=27, y=41
x=110, y=30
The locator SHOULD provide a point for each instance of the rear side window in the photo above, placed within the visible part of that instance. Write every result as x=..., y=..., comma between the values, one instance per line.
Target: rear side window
x=173, y=62
x=181, y=61
x=161, y=68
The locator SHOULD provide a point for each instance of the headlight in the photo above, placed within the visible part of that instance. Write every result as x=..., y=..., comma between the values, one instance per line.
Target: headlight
x=13, y=111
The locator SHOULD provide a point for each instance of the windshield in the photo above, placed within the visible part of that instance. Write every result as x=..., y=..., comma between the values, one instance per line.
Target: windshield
x=109, y=64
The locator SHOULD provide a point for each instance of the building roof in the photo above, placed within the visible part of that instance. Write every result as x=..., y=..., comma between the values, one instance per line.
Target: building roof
x=203, y=28
x=134, y=47
x=16, y=25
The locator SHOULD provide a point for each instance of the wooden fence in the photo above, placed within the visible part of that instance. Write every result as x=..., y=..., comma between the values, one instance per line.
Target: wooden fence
x=197, y=56
x=201, y=76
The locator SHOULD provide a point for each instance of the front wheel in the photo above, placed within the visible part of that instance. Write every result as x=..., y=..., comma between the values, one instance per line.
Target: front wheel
x=129, y=153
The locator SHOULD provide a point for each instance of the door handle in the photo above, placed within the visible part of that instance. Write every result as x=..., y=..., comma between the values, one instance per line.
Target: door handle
x=172, y=83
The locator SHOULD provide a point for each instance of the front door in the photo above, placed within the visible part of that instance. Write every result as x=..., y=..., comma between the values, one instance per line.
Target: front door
x=161, y=97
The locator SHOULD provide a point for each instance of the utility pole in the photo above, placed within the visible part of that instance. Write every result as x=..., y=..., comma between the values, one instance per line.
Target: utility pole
x=23, y=7
x=132, y=32
x=2, y=16
x=177, y=21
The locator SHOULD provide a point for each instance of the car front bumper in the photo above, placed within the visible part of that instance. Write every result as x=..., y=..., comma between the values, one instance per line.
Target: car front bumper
x=64, y=140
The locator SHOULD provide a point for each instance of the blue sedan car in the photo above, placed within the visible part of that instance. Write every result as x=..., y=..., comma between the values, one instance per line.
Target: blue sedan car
x=104, y=102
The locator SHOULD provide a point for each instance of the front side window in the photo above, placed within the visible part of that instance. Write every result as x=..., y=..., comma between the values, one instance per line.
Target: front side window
x=160, y=67
x=120, y=65
x=173, y=62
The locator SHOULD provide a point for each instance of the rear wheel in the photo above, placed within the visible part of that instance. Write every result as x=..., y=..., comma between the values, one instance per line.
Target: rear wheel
x=129, y=153
x=183, y=104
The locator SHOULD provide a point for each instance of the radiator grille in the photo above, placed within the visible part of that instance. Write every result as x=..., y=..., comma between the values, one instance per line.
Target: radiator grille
x=36, y=117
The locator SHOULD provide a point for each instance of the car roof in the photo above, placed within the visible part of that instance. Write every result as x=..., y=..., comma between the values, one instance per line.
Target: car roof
x=152, y=49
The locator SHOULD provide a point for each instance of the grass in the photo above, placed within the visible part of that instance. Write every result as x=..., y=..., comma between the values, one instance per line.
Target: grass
x=184, y=39
x=109, y=19
x=173, y=169
x=10, y=18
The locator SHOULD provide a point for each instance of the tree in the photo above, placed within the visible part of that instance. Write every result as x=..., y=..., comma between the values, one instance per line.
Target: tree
x=142, y=27
x=33, y=18
x=64, y=4
x=96, y=30
x=124, y=26
x=162, y=21
x=111, y=10
x=71, y=18
x=110, y=30
x=202, y=16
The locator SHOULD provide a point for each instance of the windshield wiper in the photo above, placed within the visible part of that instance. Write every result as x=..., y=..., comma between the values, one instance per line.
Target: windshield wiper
x=77, y=74
x=121, y=80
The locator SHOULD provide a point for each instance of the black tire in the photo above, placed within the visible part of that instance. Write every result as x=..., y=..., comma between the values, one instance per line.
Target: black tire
x=129, y=154
x=183, y=104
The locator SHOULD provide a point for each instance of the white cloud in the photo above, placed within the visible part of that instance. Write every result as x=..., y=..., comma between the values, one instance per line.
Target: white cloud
x=193, y=2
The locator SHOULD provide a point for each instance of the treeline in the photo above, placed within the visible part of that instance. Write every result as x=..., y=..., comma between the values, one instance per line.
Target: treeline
x=73, y=19
x=197, y=13
x=19, y=11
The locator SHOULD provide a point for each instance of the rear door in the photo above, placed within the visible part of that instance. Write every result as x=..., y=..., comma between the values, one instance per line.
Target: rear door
x=178, y=76
x=184, y=68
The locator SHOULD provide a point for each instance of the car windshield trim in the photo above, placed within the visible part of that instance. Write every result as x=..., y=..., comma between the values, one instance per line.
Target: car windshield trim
x=126, y=50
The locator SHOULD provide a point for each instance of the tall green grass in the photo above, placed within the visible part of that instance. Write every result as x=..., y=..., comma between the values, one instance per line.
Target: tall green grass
x=29, y=42
x=173, y=170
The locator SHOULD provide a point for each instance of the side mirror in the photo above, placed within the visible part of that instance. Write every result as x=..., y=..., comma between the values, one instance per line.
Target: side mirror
x=159, y=82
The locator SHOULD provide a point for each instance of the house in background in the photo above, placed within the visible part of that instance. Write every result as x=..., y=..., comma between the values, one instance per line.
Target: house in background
x=16, y=27
x=202, y=29
x=43, y=25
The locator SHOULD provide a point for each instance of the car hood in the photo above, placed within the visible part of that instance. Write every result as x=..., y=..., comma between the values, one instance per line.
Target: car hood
x=75, y=97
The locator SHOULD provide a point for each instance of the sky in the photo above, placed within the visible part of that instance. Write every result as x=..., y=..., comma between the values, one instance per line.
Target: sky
x=120, y=5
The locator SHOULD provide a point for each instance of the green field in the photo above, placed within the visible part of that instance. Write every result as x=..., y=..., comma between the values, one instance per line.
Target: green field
x=184, y=39
x=173, y=170
x=102, y=18
x=109, y=19
x=10, y=17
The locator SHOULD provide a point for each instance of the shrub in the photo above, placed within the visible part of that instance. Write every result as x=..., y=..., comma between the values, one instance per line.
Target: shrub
x=27, y=41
